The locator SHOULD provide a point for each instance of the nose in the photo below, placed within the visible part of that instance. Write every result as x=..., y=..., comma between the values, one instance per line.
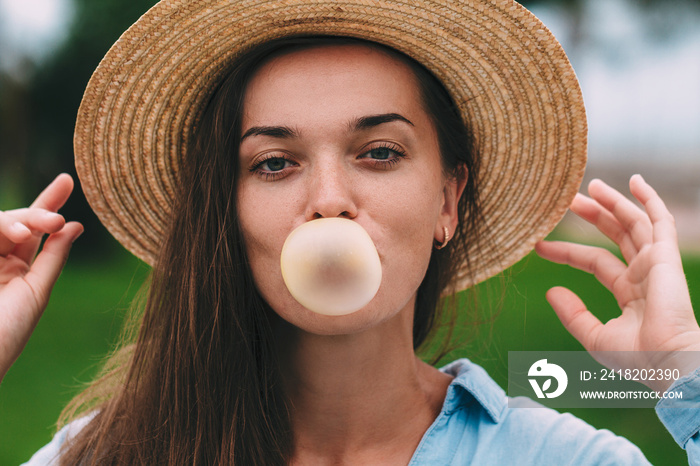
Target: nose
x=331, y=193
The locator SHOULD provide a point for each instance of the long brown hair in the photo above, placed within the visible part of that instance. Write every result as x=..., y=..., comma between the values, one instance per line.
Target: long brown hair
x=201, y=384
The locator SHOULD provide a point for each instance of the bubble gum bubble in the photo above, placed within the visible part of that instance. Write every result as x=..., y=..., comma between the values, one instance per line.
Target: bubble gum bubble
x=330, y=266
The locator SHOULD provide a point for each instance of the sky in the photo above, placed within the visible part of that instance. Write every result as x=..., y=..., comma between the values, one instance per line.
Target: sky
x=31, y=29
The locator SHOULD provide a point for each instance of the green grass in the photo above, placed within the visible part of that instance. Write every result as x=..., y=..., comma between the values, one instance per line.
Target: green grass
x=80, y=325
x=88, y=303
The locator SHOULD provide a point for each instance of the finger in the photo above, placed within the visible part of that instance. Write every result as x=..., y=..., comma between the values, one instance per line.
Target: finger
x=597, y=261
x=26, y=251
x=635, y=221
x=36, y=221
x=55, y=194
x=574, y=316
x=664, y=225
x=589, y=210
x=48, y=264
x=12, y=231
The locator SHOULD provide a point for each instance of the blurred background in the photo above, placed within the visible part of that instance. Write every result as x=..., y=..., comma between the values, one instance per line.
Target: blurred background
x=639, y=67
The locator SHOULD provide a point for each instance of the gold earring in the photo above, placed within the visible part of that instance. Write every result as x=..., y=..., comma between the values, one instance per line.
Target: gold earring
x=444, y=241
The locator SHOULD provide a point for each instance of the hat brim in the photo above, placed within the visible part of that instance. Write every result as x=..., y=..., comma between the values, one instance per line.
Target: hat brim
x=507, y=73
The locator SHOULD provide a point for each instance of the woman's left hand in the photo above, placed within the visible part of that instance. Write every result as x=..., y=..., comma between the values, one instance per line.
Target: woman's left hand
x=651, y=289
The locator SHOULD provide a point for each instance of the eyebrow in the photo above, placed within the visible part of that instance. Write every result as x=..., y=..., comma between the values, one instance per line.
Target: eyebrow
x=371, y=121
x=359, y=124
x=282, y=132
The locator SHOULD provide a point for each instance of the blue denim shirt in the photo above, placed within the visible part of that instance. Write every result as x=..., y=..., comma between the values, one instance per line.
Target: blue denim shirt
x=476, y=426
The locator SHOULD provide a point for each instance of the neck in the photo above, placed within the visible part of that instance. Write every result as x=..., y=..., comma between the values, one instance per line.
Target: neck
x=360, y=398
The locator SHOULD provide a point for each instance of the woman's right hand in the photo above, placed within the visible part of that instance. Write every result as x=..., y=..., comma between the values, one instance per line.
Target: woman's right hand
x=26, y=279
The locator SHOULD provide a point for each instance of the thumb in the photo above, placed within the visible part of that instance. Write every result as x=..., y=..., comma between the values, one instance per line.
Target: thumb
x=49, y=262
x=574, y=315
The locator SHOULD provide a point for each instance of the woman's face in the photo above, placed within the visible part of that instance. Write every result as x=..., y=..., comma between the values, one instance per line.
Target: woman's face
x=340, y=131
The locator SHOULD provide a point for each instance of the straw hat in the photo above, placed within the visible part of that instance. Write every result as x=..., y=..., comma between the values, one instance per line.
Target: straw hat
x=504, y=69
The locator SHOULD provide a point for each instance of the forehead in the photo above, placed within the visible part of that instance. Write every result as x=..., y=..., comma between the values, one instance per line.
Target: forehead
x=348, y=76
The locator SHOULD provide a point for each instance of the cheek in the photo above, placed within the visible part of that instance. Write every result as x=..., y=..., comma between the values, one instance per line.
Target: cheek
x=408, y=231
x=265, y=216
x=262, y=224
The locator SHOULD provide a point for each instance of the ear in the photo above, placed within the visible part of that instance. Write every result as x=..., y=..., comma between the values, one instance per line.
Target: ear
x=452, y=193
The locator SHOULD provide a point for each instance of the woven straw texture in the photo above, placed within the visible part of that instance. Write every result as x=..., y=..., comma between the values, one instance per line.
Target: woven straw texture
x=506, y=71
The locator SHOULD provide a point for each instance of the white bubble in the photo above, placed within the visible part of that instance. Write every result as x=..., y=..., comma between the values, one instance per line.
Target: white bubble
x=331, y=266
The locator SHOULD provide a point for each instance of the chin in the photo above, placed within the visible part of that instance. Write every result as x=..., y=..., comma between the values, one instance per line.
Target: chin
x=368, y=317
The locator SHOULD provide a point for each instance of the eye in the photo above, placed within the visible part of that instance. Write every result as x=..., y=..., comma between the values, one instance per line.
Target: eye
x=274, y=164
x=380, y=153
x=272, y=167
x=384, y=155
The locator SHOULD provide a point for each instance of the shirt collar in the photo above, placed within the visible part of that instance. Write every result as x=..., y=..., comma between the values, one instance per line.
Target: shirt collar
x=471, y=380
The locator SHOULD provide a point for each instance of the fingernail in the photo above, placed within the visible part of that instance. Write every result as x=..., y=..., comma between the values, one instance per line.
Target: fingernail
x=20, y=228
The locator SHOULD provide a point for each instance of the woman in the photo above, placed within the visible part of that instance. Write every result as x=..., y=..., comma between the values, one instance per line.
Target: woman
x=228, y=366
